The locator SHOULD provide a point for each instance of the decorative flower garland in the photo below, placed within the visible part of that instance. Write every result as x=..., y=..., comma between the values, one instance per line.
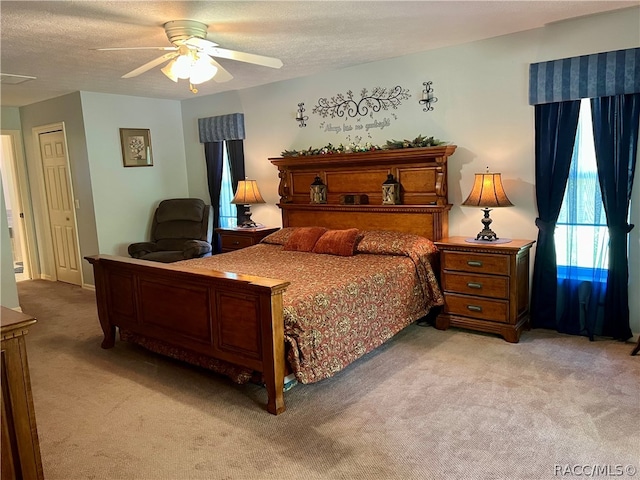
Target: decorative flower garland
x=330, y=149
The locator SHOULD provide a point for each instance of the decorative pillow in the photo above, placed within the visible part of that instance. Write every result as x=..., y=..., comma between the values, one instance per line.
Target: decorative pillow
x=337, y=242
x=303, y=239
x=280, y=237
x=389, y=243
x=422, y=252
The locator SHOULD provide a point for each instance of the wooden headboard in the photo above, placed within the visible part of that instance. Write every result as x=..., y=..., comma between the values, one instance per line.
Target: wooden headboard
x=421, y=172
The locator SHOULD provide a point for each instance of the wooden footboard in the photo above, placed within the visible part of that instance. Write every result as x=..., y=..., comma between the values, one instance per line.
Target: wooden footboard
x=226, y=316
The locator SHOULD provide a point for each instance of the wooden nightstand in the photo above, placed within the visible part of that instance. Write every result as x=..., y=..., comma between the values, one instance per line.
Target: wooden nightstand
x=237, y=238
x=486, y=286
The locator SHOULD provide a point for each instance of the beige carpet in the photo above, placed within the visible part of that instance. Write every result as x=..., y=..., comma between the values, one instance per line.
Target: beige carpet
x=427, y=405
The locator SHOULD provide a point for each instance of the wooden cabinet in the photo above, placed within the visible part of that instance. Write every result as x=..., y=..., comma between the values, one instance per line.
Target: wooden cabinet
x=485, y=285
x=237, y=238
x=20, y=446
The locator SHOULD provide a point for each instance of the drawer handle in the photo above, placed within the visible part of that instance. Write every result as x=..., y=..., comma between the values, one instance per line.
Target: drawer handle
x=474, y=263
x=474, y=285
x=474, y=308
x=236, y=243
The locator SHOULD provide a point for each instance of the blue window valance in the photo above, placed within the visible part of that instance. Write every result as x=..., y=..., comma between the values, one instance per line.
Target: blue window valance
x=221, y=128
x=588, y=76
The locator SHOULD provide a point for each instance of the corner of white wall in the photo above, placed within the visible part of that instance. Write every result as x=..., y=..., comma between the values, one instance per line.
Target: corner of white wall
x=8, y=287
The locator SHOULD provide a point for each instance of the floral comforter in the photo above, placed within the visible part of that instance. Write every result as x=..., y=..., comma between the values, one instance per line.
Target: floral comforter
x=339, y=308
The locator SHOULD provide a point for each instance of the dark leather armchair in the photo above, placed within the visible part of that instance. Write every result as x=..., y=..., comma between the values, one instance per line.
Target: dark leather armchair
x=182, y=228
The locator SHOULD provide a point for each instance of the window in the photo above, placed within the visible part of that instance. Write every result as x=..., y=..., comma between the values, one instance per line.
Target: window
x=228, y=211
x=581, y=235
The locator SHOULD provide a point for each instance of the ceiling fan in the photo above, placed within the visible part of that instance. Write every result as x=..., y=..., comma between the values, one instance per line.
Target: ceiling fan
x=190, y=56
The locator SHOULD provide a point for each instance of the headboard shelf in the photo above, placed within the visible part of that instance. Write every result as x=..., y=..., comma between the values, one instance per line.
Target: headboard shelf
x=421, y=172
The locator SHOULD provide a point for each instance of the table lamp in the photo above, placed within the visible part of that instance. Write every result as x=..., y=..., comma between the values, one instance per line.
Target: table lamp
x=487, y=192
x=247, y=194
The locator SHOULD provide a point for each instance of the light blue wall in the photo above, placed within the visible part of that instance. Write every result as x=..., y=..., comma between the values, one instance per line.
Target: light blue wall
x=8, y=290
x=124, y=198
x=9, y=120
x=483, y=108
x=114, y=203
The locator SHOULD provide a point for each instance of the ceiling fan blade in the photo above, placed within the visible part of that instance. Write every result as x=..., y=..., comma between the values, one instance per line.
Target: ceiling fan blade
x=244, y=57
x=222, y=75
x=150, y=65
x=201, y=43
x=135, y=48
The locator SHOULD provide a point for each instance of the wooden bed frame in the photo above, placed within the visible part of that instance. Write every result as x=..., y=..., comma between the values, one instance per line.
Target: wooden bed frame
x=198, y=314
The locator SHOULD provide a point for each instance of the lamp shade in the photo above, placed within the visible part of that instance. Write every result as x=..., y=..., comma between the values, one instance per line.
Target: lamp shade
x=202, y=70
x=178, y=67
x=487, y=191
x=168, y=70
x=247, y=193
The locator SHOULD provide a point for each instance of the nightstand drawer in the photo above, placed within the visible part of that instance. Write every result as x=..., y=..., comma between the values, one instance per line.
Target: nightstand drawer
x=477, y=307
x=483, y=285
x=476, y=262
x=234, y=242
x=236, y=238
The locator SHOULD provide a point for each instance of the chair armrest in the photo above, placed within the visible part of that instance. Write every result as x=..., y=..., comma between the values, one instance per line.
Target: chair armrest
x=140, y=249
x=195, y=248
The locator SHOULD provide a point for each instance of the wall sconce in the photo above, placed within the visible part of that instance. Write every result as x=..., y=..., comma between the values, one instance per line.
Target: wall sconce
x=300, y=116
x=427, y=97
x=318, y=191
x=487, y=192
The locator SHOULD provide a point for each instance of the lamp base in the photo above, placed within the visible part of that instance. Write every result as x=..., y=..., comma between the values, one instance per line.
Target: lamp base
x=486, y=233
x=248, y=224
x=245, y=220
x=497, y=241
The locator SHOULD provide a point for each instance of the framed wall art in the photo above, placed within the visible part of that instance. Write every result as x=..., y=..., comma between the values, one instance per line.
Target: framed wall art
x=136, y=147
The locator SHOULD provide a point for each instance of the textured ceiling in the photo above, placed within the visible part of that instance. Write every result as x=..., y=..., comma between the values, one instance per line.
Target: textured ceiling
x=53, y=40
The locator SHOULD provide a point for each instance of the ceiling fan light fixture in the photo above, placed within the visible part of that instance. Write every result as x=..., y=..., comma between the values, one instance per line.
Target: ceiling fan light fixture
x=202, y=70
x=182, y=67
x=168, y=70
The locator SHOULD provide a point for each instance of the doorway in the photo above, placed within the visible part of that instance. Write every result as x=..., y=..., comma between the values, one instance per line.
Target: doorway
x=13, y=198
x=60, y=205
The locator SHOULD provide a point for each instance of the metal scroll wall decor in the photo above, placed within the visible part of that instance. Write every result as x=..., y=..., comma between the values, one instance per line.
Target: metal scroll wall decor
x=380, y=98
x=346, y=114
x=352, y=111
